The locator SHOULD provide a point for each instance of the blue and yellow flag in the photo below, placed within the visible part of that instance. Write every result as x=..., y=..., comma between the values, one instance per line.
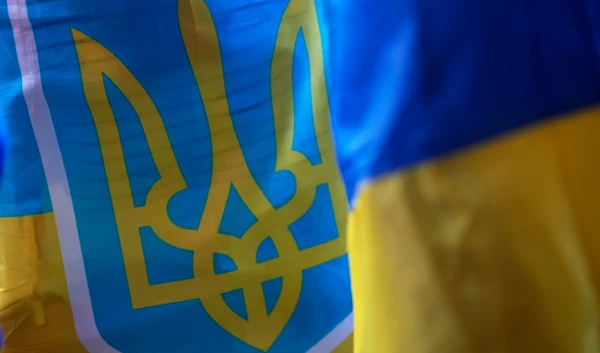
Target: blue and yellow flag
x=468, y=135
x=171, y=183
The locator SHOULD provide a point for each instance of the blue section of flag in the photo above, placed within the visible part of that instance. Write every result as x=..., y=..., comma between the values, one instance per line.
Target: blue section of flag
x=3, y=141
x=144, y=35
x=23, y=189
x=417, y=79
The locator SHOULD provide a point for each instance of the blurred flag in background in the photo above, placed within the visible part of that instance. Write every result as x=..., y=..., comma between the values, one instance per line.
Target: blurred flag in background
x=171, y=183
x=467, y=134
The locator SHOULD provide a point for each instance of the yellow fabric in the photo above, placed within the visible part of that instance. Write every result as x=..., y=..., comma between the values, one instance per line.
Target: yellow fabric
x=346, y=346
x=18, y=269
x=494, y=249
x=38, y=320
x=17, y=260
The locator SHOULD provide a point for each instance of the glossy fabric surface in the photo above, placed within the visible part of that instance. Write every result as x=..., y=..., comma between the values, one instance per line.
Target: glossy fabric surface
x=493, y=249
x=3, y=142
x=418, y=79
x=171, y=184
x=472, y=172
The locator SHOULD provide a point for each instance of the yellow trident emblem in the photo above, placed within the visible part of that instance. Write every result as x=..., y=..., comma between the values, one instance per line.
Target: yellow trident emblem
x=229, y=168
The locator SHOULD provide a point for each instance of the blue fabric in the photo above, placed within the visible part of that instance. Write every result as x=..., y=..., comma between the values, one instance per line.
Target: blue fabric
x=145, y=36
x=23, y=186
x=2, y=151
x=417, y=79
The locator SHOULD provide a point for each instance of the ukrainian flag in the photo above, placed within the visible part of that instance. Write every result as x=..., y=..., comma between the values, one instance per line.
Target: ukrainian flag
x=468, y=135
x=171, y=185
